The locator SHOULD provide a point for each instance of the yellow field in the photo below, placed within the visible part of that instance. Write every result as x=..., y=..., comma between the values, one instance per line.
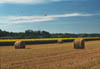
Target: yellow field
x=51, y=56
x=43, y=39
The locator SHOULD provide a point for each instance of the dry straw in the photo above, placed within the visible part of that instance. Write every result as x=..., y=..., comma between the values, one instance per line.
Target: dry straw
x=19, y=44
x=79, y=43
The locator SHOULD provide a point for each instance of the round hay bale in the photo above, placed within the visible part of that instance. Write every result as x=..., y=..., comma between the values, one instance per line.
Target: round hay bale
x=79, y=43
x=19, y=44
x=60, y=41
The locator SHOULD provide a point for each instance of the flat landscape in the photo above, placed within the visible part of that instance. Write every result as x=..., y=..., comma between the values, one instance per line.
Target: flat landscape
x=51, y=56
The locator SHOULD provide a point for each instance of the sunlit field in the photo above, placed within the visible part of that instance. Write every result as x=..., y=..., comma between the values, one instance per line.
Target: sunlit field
x=51, y=56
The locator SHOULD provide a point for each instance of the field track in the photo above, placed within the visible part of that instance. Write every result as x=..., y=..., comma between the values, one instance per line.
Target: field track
x=51, y=56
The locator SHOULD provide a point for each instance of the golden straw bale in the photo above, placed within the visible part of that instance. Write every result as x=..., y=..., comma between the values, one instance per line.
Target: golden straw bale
x=79, y=43
x=19, y=44
x=60, y=41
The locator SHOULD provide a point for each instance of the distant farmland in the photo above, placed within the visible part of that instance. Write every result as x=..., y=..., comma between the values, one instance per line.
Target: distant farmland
x=51, y=56
x=46, y=39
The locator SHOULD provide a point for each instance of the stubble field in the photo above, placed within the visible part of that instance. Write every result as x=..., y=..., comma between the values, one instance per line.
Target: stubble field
x=51, y=56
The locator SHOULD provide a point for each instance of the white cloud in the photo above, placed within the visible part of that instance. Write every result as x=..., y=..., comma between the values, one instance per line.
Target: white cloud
x=28, y=1
x=33, y=1
x=35, y=19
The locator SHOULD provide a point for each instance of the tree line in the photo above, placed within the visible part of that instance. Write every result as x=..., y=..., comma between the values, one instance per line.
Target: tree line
x=41, y=34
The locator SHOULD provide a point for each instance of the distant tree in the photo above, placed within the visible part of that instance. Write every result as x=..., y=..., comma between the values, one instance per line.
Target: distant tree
x=43, y=34
x=28, y=31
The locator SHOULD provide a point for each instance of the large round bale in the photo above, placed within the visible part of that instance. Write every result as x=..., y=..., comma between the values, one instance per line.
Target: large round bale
x=19, y=44
x=79, y=43
x=60, y=41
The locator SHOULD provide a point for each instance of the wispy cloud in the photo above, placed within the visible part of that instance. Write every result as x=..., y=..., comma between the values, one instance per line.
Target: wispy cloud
x=33, y=1
x=35, y=19
x=28, y=1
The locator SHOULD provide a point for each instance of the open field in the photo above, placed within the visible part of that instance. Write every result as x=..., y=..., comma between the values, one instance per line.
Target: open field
x=51, y=56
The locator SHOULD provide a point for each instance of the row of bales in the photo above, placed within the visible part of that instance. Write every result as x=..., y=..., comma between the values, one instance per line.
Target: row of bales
x=78, y=44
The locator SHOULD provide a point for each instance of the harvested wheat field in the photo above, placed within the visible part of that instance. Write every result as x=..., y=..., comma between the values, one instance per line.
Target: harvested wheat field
x=51, y=56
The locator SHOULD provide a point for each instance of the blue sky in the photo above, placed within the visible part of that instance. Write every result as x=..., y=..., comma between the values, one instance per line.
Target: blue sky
x=55, y=16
